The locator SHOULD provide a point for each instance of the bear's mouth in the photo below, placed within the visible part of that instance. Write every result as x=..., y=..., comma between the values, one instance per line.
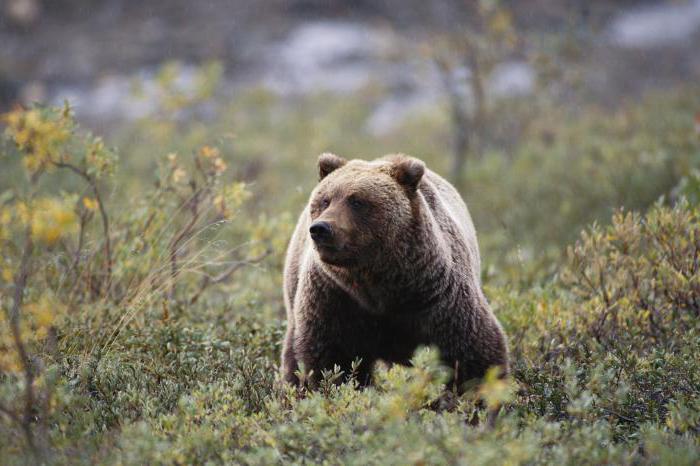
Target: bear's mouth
x=333, y=255
x=327, y=249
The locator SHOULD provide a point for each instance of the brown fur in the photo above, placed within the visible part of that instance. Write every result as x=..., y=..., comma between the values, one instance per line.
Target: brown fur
x=402, y=271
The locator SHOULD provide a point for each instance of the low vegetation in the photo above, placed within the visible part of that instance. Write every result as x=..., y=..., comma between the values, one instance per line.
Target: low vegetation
x=141, y=298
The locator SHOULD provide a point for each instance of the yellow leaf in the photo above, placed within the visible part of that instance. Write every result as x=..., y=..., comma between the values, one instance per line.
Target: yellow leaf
x=179, y=174
x=209, y=152
x=90, y=204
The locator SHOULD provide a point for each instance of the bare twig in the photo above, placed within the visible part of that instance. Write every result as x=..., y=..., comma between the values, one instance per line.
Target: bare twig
x=103, y=214
x=13, y=315
x=182, y=234
x=208, y=280
x=81, y=241
x=478, y=120
x=460, y=119
x=624, y=418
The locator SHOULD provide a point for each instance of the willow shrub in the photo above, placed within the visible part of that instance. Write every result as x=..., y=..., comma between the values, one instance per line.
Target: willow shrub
x=615, y=339
x=132, y=334
x=77, y=270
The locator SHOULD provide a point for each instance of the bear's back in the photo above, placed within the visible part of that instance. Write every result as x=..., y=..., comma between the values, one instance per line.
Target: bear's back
x=452, y=215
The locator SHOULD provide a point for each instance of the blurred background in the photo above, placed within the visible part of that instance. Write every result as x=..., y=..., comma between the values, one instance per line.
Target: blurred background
x=548, y=115
x=91, y=51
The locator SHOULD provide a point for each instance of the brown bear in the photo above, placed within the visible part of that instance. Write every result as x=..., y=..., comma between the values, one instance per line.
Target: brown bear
x=384, y=258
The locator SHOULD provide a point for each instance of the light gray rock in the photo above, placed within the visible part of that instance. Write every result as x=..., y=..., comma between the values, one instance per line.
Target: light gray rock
x=658, y=25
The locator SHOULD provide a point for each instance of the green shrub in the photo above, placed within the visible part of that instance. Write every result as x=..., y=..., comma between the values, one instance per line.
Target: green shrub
x=615, y=338
x=155, y=339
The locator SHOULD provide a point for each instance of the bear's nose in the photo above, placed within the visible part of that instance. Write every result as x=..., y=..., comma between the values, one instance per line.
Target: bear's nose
x=320, y=231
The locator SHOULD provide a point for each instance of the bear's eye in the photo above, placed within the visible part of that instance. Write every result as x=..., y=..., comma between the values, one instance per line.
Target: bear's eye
x=325, y=202
x=356, y=203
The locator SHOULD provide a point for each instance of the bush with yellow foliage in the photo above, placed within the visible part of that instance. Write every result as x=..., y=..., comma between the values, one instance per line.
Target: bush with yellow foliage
x=65, y=255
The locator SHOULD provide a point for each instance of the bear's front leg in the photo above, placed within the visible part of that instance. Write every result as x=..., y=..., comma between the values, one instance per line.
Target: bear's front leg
x=470, y=344
x=289, y=360
x=318, y=348
x=331, y=330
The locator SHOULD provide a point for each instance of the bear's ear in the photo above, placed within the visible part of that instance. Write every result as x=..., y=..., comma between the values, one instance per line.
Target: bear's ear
x=327, y=163
x=408, y=172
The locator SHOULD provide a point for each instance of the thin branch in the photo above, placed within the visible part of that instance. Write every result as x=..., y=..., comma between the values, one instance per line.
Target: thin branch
x=226, y=274
x=81, y=241
x=103, y=213
x=473, y=62
x=459, y=118
x=186, y=230
x=13, y=316
x=620, y=416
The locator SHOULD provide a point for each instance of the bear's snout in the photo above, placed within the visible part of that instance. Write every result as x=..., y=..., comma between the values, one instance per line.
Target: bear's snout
x=321, y=232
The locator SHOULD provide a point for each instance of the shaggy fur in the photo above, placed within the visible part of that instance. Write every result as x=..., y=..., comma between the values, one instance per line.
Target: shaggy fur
x=401, y=270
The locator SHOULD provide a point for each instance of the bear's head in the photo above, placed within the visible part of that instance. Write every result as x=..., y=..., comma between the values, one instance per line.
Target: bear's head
x=360, y=209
